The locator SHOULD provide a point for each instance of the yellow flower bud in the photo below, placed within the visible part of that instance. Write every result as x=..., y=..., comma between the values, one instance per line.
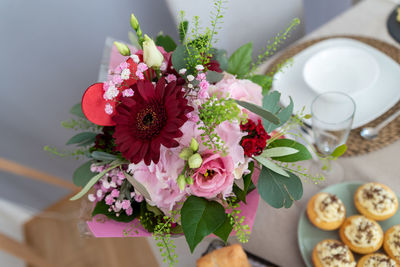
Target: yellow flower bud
x=194, y=145
x=151, y=55
x=195, y=161
x=181, y=182
x=123, y=49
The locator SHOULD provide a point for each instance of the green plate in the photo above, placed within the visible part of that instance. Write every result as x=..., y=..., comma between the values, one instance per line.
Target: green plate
x=308, y=235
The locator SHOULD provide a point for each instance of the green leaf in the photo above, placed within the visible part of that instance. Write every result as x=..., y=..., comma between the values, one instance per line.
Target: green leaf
x=265, y=114
x=270, y=165
x=271, y=103
x=102, y=208
x=220, y=55
x=277, y=190
x=83, y=174
x=239, y=61
x=138, y=186
x=200, y=218
x=166, y=42
x=92, y=182
x=279, y=151
x=264, y=81
x=179, y=58
x=82, y=139
x=339, y=151
x=103, y=156
x=77, y=111
x=303, y=153
x=213, y=76
x=224, y=230
x=247, y=185
x=177, y=229
x=183, y=29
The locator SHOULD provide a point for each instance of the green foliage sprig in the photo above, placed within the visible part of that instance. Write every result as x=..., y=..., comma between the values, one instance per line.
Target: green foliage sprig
x=162, y=235
x=212, y=113
x=242, y=230
x=77, y=153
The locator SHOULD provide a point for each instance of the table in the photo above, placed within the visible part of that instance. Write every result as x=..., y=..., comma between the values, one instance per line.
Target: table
x=275, y=231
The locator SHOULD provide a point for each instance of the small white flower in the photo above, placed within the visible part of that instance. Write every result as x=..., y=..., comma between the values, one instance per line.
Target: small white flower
x=99, y=193
x=199, y=67
x=190, y=78
x=163, y=66
x=106, y=184
x=190, y=86
x=111, y=93
x=125, y=74
x=108, y=109
x=182, y=71
x=91, y=197
x=135, y=58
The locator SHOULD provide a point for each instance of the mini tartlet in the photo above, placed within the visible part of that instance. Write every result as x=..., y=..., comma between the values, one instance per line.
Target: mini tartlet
x=326, y=211
x=391, y=243
x=376, y=260
x=376, y=201
x=361, y=234
x=332, y=253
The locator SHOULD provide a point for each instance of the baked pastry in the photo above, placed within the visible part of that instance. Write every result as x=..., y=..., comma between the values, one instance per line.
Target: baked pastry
x=231, y=256
x=331, y=252
x=326, y=211
x=376, y=260
x=361, y=234
x=376, y=201
x=391, y=243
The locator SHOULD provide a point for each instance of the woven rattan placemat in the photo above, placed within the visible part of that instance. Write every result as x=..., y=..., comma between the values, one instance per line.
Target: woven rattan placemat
x=356, y=144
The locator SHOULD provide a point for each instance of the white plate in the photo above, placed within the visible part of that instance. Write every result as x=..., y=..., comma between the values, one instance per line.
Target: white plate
x=370, y=77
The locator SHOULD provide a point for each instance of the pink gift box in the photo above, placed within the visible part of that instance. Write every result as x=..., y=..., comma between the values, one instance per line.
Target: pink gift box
x=101, y=226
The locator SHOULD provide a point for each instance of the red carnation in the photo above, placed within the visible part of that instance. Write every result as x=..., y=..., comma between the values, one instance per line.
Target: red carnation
x=256, y=140
x=150, y=118
x=249, y=146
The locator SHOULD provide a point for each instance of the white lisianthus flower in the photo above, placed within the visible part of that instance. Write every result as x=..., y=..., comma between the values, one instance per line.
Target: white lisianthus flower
x=151, y=55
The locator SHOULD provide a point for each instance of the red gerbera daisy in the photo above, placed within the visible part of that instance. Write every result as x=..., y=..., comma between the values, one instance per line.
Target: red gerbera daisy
x=150, y=118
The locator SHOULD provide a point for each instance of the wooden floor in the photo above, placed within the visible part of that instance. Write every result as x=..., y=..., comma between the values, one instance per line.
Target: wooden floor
x=55, y=236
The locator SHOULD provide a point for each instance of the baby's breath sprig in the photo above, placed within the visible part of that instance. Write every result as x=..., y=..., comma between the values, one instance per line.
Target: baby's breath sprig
x=212, y=113
x=242, y=230
x=273, y=45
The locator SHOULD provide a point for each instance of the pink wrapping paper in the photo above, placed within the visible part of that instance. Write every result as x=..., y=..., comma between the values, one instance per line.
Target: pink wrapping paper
x=101, y=226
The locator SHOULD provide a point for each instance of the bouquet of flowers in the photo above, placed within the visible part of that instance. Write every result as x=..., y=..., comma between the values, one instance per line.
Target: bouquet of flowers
x=182, y=140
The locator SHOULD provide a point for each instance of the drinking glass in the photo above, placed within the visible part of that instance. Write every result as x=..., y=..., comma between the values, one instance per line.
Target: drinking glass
x=332, y=118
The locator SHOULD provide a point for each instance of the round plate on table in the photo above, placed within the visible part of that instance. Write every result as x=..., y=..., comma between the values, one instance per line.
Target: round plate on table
x=308, y=235
x=394, y=25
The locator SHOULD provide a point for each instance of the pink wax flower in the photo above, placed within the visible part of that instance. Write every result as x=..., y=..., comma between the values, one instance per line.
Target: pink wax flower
x=244, y=90
x=215, y=176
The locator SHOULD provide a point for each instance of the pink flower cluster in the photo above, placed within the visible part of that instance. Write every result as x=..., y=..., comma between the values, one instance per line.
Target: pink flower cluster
x=107, y=189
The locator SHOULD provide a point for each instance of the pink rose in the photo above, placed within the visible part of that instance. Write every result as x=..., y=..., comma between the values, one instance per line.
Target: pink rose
x=215, y=176
x=244, y=90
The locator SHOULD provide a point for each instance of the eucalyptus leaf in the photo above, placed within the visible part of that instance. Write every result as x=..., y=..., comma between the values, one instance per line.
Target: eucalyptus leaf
x=166, y=42
x=183, y=29
x=224, y=230
x=103, y=156
x=92, y=182
x=179, y=58
x=83, y=174
x=279, y=151
x=138, y=186
x=339, y=151
x=77, y=111
x=82, y=139
x=239, y=62
x=270, y=165
x=213, y=76
x=302, y=154
x=200, y=218
x=263, y=113
x=264, y=81
x=271, y=103
x=277, y=190
x=220, y=55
